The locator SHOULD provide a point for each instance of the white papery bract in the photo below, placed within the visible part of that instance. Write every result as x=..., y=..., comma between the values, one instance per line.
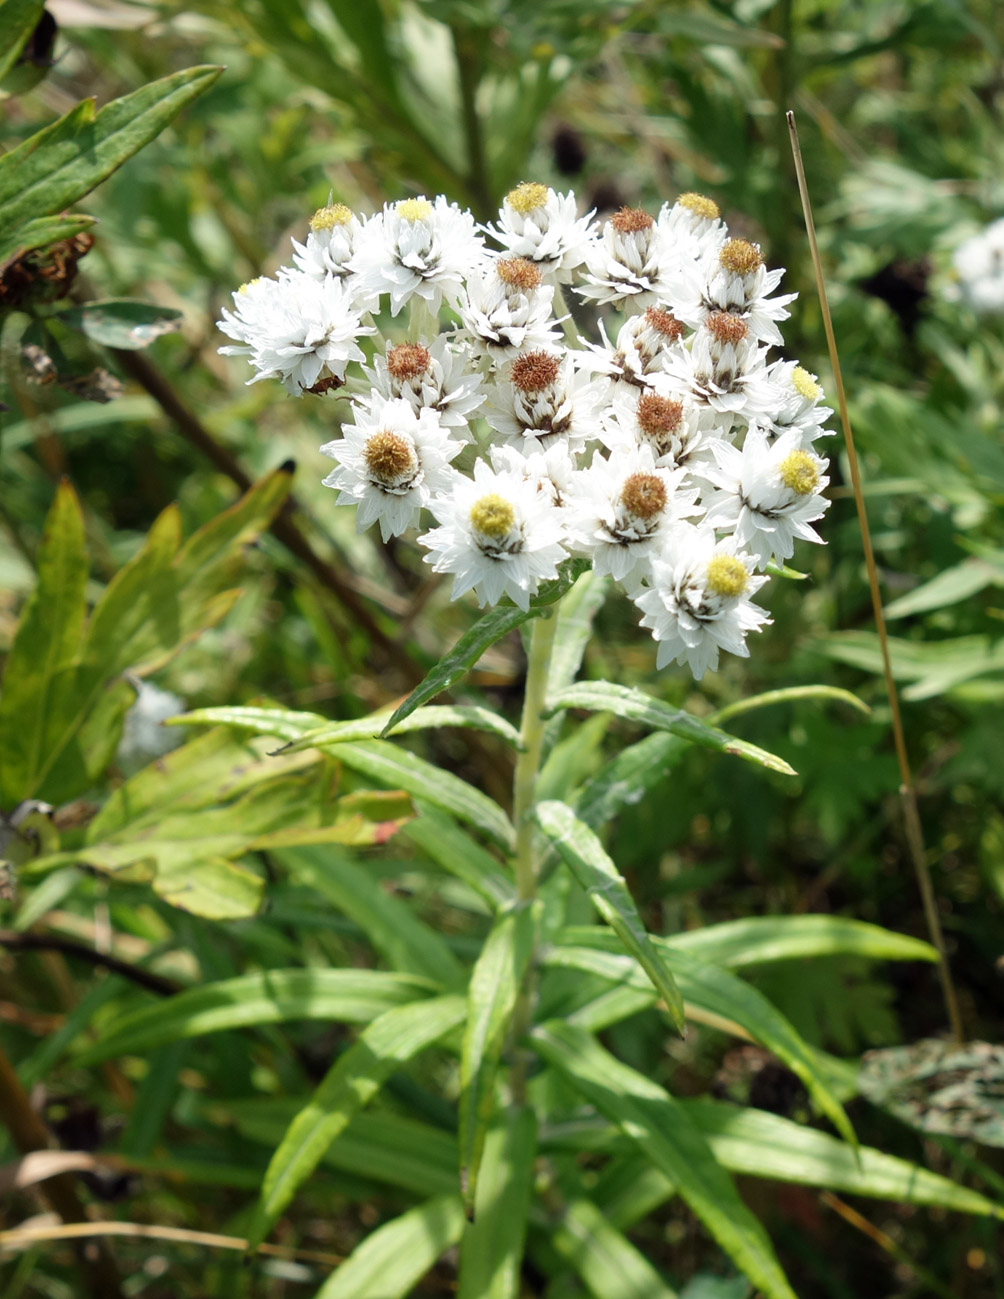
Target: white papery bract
x=699, y=442
x=767, y=493
x=506, y=309
x=436, y=375
x=544, y=228
x=296, y=328
x=500, y=535
x=417, y=248
x=539, y=399
x=979, y=264
x=697, y=599
x=621, y=509
x=390, y=463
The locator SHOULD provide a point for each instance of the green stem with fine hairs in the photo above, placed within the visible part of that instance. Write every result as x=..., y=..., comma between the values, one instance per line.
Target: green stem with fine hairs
x=531, y=734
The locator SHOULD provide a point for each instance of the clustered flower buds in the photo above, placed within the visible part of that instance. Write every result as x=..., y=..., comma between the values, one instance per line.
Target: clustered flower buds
x=677, y=458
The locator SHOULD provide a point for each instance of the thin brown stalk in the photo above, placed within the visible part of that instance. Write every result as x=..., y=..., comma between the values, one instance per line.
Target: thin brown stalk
x=885, y=1242
x=907, y=791
x=14, y=941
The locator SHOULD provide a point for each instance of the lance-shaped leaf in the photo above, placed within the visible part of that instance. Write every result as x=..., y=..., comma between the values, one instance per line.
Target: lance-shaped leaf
x=723, y=999
x=663, y=1132
x=491, y=1250
x=491, y=1000
x=390, y=1261
x=270, y=997
x=609, y=1265
x=489, y=628
x=39, y=233
x=636, y=706
x=283, y=723
x=58, y=165
x=788, y=695
x=423, y=719
x=122, y=322
x=18, y=19
x=350, y=1084
x=450, y=847
x=583, y=853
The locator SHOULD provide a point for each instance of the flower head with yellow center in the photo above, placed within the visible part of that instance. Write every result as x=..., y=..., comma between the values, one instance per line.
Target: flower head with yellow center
x=544, y=227
x=330, y=243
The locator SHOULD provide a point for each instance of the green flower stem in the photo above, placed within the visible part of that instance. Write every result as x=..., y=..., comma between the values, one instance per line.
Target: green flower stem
x=531, y=734
x=568, y=325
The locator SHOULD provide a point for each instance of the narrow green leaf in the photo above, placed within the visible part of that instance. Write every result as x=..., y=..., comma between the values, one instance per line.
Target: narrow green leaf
x=423, y=719
x=351, y=1083
x=491, y=1250
x=724, y=997
x=210, y=886
x=18, y=19
x=787, y=695
x=122, y=322
x=280, y=722
x=271, y=997
x=636, y=706
x=34, y=702
x=491, y=1000
x=661, y=1129
x=455, y=851
x=609, y=1265
x=391, y=1261
x=40, y=233
x=583, y=853
x=398, y=769
x=397, y=933
x=59, y=165
x=949, y=587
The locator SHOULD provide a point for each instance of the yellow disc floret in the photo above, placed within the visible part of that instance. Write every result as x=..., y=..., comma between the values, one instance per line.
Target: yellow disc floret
x=518, y=273
x=527, y=197
x=388, y=455
x=413, y=209
x=493, y=516
x=800, y=473
x=326, y=218
x=740, y=256
x=805, y=384
x=727, y=576
x=700, y=206
x=250, y=284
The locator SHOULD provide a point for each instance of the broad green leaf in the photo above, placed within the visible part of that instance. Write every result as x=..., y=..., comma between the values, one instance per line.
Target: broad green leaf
x=489, y=628
x=35, y=702
x=351, y=1083
x=494, y=989
x=491, y=1251
x=57, y=166
x=950, y=587
x=390, y=1261
x=583, y=853
x=122, y=322
x=423, y=719
x=609, y=1265
x=455, y=851
x=210, y=886
x=723, y=998
x=407, y=943
x=636, y=706
x=933, y=667
x=388, y=765
x=18, y=19
x=787, y=695
x=37, y=234
x=271, y=997
x=661, y=1129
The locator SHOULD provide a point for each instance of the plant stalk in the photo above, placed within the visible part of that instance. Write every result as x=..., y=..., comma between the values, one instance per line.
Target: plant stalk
x=531, y=734
x=907, y=791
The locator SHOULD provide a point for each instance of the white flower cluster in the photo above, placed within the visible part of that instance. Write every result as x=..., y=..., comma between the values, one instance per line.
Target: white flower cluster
x=979, y=264
x=676, y=458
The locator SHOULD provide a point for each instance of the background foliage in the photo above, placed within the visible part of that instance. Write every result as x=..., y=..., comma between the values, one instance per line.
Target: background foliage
x=900, y=109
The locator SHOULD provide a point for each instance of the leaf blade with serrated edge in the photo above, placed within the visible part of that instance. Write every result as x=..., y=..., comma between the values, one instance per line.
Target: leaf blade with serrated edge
x=492, y=994
x=636, y=706
x=583, y=853
x=660, y=1128
x=351, y=1083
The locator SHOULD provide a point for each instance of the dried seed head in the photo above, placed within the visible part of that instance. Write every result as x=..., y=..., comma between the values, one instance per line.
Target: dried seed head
x=644, y=495
x=407, y=361
x=493, y=516
x=727, y=576
x=388, y=456
x=724, y=327
x=701, y=206
x=326, y=218
x=413, y=209
x=518, y=273
x=665, y=323
x=534, y=371
x=658, y=416
x=800, y=473
x=740, y=256
x=527, y=197
x=630, y=220
x=805, y=384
